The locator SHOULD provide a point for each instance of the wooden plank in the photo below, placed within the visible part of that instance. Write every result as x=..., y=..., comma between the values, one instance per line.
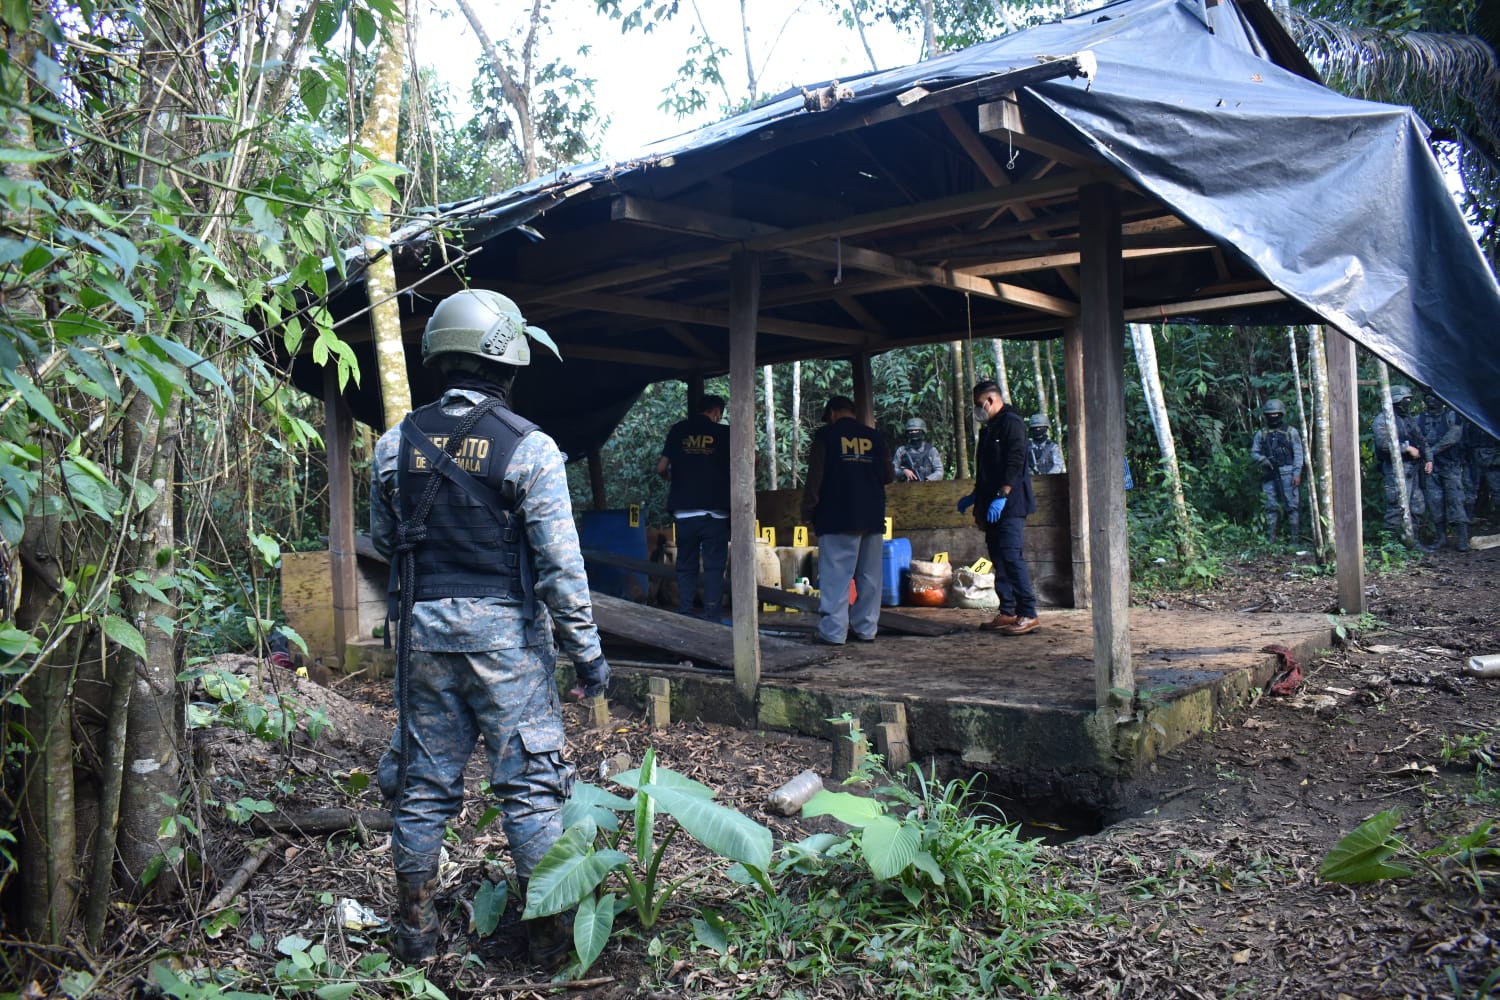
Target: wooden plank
x=635, y=305
x=1078, y=490
x=339, y=434
x=1348, y=516
x=625, y=356
x=1102, y=344
x=693, y=638
x=1166, y=310
x=744, y=307
x=892, y=621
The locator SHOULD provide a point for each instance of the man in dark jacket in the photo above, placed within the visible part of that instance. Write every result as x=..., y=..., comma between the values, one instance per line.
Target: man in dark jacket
x=1002, y=500
x=844, y=499
x=696, y=459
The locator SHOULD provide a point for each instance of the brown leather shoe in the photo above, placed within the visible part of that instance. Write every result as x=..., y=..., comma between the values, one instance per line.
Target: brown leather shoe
x=1021, y=626
x=1002, y=620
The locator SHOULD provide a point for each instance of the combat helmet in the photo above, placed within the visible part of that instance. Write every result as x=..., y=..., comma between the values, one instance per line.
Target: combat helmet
x=1400, y=394
x=1273, y=407
x=1038, y=420
x=916, y=425
x=482, y=323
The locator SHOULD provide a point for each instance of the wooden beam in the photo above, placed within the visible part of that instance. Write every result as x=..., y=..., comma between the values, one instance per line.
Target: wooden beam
x=597, y=491
x=709, y=225
x=1003, y=118
x=1078, y=462
x=626, y=356
x=1102, y=360
x=1348, y=516
x=744, y=305
x=631, y=305
x=688, y=339
x=1051, y=261
x=1155, y=314
x=338, y=441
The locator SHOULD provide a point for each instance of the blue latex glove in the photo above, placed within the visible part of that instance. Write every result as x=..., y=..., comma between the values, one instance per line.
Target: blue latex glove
x=593, y=678
x=996, y=506
x=965, y=502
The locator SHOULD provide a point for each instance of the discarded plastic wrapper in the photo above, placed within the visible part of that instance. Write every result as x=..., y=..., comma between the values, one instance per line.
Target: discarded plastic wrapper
x=356, y=916
x=1483, y=666
x=794, y=794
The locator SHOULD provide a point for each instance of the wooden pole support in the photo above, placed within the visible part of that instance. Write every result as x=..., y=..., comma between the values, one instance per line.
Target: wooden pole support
x=659, y=703
x=849, y=748
x=891, y=740
x=598, y=709
x=1348, y=514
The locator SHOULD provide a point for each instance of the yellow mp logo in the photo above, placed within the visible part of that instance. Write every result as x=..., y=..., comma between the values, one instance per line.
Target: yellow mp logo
x=857, y=445
x=698, y=441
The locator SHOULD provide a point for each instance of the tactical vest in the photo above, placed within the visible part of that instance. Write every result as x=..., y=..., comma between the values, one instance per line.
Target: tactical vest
x=472, y=542
x=1277, y=446
x=698, y=450
x=852, y=498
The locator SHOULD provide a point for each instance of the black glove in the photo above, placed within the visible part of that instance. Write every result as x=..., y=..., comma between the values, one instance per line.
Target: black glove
x=593, y=678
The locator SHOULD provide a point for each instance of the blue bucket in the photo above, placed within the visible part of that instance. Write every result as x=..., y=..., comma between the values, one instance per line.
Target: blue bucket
x=895, y=559
x=610, y=531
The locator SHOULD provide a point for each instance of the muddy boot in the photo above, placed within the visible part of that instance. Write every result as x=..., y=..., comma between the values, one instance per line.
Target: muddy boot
x=1461, y=537
x=416, y=918
x=1294, y=527
x=1271, y=529
x=549, y=940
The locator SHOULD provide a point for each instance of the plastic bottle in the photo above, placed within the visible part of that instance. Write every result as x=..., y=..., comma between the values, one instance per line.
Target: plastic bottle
x=791, y=796
x=1484, y=666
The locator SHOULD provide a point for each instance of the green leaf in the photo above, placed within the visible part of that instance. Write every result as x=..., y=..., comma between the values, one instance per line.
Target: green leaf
x=292, y=944
x=591, y=927
x=125, y=634
x=489, y=906
x=1361, y=855
x=190, y=360
x=95, y=370
x=592, y=802
x=927, y=864
x=717, y=827
x=664, y=778
x=14, y=154
x=711, y=931
x=87, y=489
x=39, y=403
x=849, y=809
x=336, y=991
x=568, y=872
x=645, y=812
x=315, y=90
x=889, y=846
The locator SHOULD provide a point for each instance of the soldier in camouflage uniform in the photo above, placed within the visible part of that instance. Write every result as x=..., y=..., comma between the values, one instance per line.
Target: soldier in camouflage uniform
x=1485, y=449
x=1445, y=494
x=1044, y=454
x=1277, y=450
x=917, y=460
x=486, y=561
x=1416, y=460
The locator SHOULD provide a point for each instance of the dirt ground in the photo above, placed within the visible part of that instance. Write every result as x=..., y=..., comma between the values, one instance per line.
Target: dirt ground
x=1210, y=878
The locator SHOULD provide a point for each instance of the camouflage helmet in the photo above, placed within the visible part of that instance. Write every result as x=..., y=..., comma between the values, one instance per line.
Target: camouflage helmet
x=482, y=323
x=1273, y=406
x=1038, y=420
x=1400, y=394
x=916, y=425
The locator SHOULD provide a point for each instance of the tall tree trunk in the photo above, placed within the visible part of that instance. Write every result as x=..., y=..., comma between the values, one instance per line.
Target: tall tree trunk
x=1001, y=375
x=1041, y=380
x=929, y=31
x=750, y=81
x=1393, y=443
x=859, y=26
x=796, y=457
x=378, y=134
x=517, y=91
x=1052, y=386
x=1308, y=476
x=775, y=476
x=1145, y=358
x=962, y=421
x=1317, y=365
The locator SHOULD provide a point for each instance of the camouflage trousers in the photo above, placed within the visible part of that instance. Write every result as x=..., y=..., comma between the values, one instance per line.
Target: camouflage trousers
x=1414, y=495
x=508, y=696
x=1446, y=495
x=1280, y=492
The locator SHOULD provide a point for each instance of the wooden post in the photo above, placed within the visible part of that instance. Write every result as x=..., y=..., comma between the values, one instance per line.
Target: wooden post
x=659, y=703
x=694, y=392
x=891, y=741
x=864, y=388
x=596, y=480
x=1102, y=343
x=1078, y=462
x=850, y=747
x=1348, y=518
x=744, y=305
x=338, y=438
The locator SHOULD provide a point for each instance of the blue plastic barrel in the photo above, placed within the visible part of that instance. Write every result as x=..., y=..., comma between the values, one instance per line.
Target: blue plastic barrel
x=895, y=559
x=610, y=531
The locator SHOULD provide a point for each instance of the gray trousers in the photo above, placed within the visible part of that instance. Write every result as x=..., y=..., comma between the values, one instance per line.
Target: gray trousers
x=841, y=558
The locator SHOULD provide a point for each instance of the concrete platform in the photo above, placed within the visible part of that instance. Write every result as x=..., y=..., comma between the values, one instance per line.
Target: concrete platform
x=1020, y=708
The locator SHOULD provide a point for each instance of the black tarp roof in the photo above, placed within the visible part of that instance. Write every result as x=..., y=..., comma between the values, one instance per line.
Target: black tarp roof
x=1250, y=194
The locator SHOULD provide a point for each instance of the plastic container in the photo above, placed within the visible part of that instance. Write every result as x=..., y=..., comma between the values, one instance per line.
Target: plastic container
x=1483, y=666
x=610, y=531
x=791, y=796
x=895, y=558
